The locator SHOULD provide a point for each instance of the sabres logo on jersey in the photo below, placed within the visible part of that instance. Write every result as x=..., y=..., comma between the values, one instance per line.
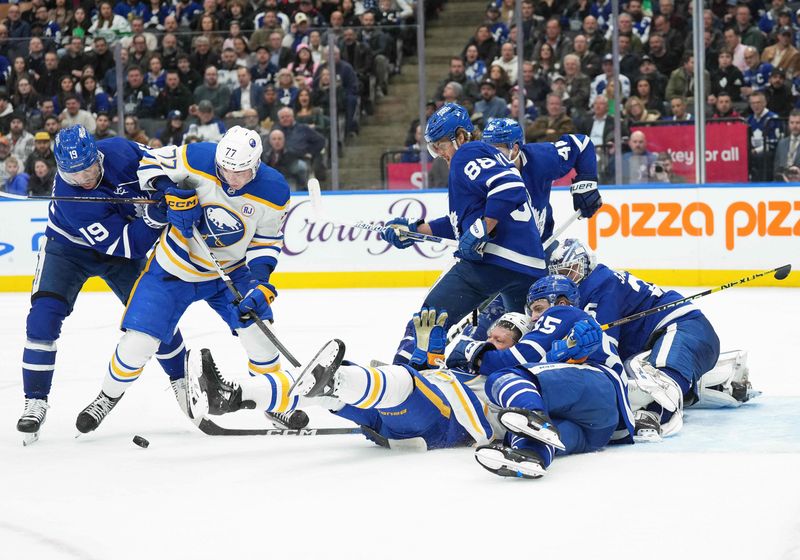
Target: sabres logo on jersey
x=222, y=227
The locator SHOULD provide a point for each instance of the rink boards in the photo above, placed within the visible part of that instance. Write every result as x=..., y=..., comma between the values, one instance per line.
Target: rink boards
x=674, y=235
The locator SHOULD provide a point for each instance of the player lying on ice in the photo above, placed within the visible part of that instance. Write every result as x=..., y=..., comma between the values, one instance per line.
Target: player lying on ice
x=224, y=194
x=571, y=401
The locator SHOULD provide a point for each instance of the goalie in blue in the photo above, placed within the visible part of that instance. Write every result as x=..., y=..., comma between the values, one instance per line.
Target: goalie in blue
x=84, y=240
x=499, y=244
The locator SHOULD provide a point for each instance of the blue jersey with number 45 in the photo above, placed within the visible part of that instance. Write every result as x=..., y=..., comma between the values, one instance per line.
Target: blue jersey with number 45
x=610, y=295
x=544, y=162
x=111, y=229
x=484, y=184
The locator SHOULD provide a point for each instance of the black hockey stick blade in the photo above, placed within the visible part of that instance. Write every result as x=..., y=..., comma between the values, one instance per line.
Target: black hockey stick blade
x=783, y=272
x=212, y=429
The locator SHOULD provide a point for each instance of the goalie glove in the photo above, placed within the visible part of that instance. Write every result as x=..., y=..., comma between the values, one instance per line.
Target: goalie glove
x=585, y=197
x=471, y=243
x=583, y=340
x=430, y=338
x=393, y=232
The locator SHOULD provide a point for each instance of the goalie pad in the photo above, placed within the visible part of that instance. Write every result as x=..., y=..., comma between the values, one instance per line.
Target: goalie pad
x=647, y=384
x=728, y=384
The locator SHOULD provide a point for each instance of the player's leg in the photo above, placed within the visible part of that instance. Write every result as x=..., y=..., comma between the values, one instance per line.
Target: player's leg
x=61, y=271
x=152, y=314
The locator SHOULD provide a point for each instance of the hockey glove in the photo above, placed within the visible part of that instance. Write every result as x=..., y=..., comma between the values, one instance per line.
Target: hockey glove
x=470, y=246
x=393, y=232
x=184, y=210
x=256, y=301
x=155, y=215
x=430, y=338
x=586, y=197
x=466, y=355
x=583, y=340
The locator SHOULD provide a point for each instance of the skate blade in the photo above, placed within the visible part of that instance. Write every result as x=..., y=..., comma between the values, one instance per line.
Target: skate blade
x=377, y=363
x=494, y=461
x=306, y=381
x=30, y=439
x=518, y=424
x=648, y=436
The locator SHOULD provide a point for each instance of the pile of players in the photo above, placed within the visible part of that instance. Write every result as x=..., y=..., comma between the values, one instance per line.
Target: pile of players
x=546, y=381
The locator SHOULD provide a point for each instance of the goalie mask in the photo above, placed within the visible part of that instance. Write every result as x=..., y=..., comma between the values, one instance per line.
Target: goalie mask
x=573, y=260
x=238, y=157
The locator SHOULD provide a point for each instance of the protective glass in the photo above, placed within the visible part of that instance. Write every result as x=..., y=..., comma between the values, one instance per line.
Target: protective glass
x=88, y=178
x=235, y=179
x=439, y=148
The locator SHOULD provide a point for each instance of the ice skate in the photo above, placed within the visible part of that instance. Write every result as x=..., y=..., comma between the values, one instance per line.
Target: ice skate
x=292, y=420
x=529, y=423
x=647, y=427
x=507, y=461
x=32, y=419
x=92, y=415
x=208, y=391
x=317, y=378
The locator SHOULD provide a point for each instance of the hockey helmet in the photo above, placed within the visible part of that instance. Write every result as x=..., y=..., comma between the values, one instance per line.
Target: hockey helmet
x=551, y=288
x=77, y=158
x=573, y=260
x=503, y=132
x=239, y=150
x=518, y=323
x=444, y=123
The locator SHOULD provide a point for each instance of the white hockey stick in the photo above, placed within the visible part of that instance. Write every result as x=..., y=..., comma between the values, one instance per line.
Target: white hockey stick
x=557, y=233
x=315, y=195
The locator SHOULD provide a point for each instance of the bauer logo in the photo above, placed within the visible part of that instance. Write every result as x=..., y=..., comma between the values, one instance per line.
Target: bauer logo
x=222, y=226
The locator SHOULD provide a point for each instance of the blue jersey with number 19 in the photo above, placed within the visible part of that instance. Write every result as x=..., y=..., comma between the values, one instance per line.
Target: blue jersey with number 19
x=484, y=184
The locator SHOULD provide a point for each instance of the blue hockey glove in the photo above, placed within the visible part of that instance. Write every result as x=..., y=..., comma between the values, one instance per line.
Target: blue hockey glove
x=470, y=246
x=393, y=232
x=466, y=355
x=256, y=301
x=155, y=215
x=184, y=210
x=586, y=197
x=583, y=340
x=430, y=338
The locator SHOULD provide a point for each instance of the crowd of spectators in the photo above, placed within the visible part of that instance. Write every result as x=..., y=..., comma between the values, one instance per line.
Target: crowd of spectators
x=190, y=69
x=752, y=72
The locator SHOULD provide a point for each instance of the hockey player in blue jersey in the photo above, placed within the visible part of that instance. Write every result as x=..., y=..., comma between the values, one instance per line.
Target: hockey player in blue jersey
x=83, y=240
x=223, y=196
x=500, y=247
x=680, y=341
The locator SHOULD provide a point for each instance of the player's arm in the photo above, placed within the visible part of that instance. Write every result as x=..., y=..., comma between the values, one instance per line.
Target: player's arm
x=577, y=151
x=267, y=243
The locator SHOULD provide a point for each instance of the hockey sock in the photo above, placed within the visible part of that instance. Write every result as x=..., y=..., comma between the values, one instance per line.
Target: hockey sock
x=508, y=390
x=125, y=366
x=172, y=357
x=682, y=382
x=38, y=363
x=270, y=391
x=264, y=366
x=546, y=452
x=383, y=387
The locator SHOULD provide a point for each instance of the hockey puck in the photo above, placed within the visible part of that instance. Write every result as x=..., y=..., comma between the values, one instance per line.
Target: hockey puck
x=298, y=420
x=141, y=442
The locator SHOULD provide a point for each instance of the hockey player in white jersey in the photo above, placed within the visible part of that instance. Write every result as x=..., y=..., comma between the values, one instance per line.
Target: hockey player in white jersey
x=237, y=205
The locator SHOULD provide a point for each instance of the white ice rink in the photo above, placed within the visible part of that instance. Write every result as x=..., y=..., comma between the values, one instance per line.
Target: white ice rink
x=726, y=487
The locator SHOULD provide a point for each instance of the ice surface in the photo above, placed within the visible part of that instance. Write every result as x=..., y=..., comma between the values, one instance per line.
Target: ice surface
x=728, y=486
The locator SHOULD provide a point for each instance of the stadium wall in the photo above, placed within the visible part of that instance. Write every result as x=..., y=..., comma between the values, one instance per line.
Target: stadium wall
x=676, y=235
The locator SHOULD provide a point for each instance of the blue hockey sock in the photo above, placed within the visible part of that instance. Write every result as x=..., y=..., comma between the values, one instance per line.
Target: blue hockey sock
x=511, y=390
x=38, y=363
x=172, y=356
x=546, y=452
x=681, y=380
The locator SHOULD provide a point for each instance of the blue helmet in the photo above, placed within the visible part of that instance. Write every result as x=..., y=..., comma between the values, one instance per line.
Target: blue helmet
x=75, y=149
x=444, y=122
x=551, y=288
x=506, y=132
x=572, y=259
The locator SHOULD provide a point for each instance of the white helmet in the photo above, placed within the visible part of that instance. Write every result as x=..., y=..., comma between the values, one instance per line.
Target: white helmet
x=238, y=150
x=517, y=323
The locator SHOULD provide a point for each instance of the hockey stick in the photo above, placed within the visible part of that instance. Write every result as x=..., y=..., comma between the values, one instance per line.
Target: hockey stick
x=780, y=273
x=557, y=233
x=238, y=297
x=212, y=429
x=315, y=195
x=97, y=199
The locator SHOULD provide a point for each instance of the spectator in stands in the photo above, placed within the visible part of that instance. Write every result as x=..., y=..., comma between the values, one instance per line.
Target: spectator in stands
x=169, y=51
x=36, y=52
x=349, y=84
x=382, y=48
x=733, y=43
x=280, y=56
x=641, y=23
x=787, y=151
x=285, y=87
x=156, y=77
x=246, y=96
x=306, y=113
x=727, y=78
x=300, y=138
x=547, y=65
x=550, y=127
x=673, y=39
x=6, y=112
x=490, y=106
x=15, y=182
x=52, y=125
x=269, y=105
x=17, y=27
x=661, y=170
x=41, y=182
x=485, y=43
x=762, y=135
x=5, y=153
x=782, y=54
x=637, y=163
x=646, y=93
x=263, y=72
x=287, y=161
x=594, y=35
x=73, y=114
x=412, y=151
x=536, y=88
x=458, y=74
x=599, y=125
x=133, y=131
x=577, y=84
x=25, y=99
x=629, y=60
x=94, y=98
x=251, y=122
x=507, y=61
x=750, y=34
x=779, y=96
x=474, y=67
x=103, y=127
x=226, y=72
x=635, y=112
x=589, y=60
x=664, y=59
x=206, y=126
x=109, y=25
x=18, y=70
x=190, y=77
x=174, y=97
x=203, y=56
x=601, y=82
x=217, y=95
x=48, y=82
x=678, y=110
x=723, y=107
x=66, y=87
x=41, y=150
x=173, y=133
x=136, y=96
x=681, y=82
x=78, y=25
x=756, y=76
x=74, y=59
x=359, y=56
